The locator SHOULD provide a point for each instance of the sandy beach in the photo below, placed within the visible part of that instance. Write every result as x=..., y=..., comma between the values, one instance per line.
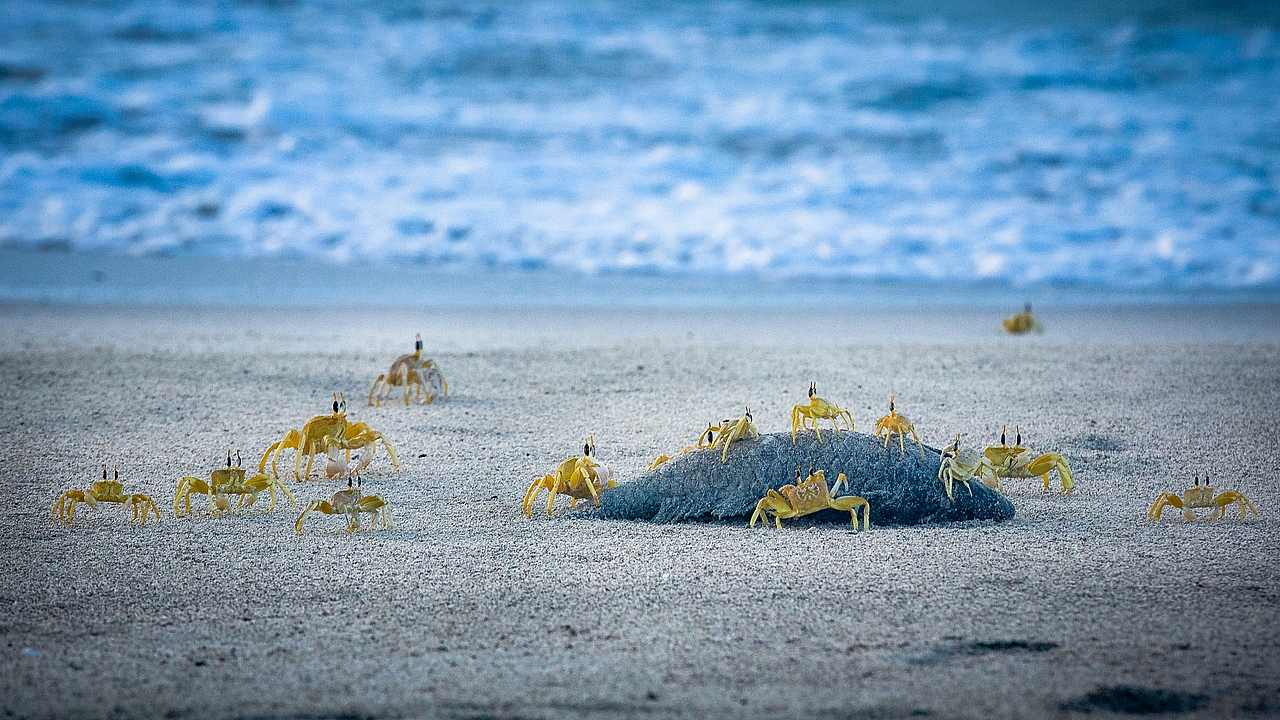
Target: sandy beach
x=467, y=609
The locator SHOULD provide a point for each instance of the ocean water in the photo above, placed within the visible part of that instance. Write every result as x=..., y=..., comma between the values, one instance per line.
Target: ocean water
x=712, y=139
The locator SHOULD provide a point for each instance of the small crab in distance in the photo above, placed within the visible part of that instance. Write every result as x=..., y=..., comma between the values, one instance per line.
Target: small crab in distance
x=1016, y=461
x=105, y=491
x=1201, y=496
x=895, y=423
x=350, y=502
x=815, y=410
x=810, y=496
x=418, y=377
x=733, y=430
x=705, y=440
x=578, y=477
x=1022, y=323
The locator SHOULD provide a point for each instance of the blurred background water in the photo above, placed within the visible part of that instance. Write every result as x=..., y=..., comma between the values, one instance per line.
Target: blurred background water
x=1107, y=145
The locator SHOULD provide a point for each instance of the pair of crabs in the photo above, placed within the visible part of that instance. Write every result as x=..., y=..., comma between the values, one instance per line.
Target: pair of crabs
x=1003, y=461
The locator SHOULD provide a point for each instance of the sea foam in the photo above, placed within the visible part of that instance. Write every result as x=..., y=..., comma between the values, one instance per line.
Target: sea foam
x=699, y=138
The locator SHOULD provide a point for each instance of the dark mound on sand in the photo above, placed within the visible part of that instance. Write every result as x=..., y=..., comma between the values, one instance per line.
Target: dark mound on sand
x=902, y=489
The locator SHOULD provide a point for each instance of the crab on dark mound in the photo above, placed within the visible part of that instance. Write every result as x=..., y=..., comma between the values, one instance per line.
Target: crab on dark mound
x=903, y=489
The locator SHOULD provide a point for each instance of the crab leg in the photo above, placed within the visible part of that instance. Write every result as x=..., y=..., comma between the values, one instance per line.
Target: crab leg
x=555, y=488
x=395, y=461
x=531, y=495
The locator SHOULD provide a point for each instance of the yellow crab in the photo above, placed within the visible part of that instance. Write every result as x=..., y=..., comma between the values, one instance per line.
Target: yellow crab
x=105, y=491
x=224, y=482
x=961, y=466
x=1023, y=322
x=415, y=375
x=1201, y=496
x=705, y=440
x=350, y=502
x=895, y=423
x=1017, y=462
x=733, y=430
x=578, y=477
x=815, y=410
x=312, y=440
x=810, y=496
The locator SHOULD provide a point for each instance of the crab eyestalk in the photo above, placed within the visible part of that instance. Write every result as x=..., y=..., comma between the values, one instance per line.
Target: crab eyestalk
x=891, y=398
x=954, y=450
x=417, y=343
x=1002, y=432
x=813, y=389
x=1018, y=442
x=237, y=458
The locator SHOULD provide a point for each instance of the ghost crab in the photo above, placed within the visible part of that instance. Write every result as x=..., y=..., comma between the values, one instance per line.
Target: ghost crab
x=415, y=375
x=1016, y=461
x=1021, y=323
x=962, y=465
x=815, y=410
x=1201, y=496
x=228, y=481
x=895, y=423
x=105, y=491
x=733, y=430
x=810, y=496
x=350, y=502
x=578, y=477
x=320, y=433
x=705, y=440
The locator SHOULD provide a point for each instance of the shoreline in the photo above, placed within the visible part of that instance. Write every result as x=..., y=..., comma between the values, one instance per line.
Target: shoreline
x=102, y=278
x=388, y=331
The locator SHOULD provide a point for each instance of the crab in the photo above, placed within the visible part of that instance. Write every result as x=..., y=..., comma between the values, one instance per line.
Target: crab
x=962, y=465
x=1016, y=461
x=224, y=482
x=895, y=423
x=322, y=431
x=733, y=430
x=705, y=440
x=105, y=491
x=816, y=409
x=810, y=496
x=578, y=477
x=350, y=502
x=1023, y=322
x=1201, y=496
x=415, y=375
